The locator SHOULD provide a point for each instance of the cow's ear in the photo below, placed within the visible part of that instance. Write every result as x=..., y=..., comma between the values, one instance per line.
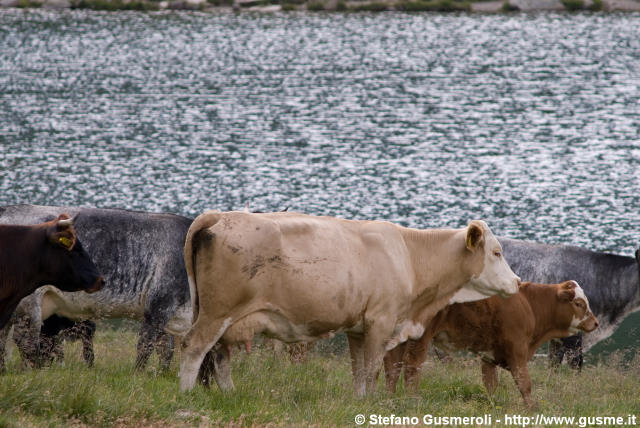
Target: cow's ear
x=475, y=235
x=567, y=292
x=62, y=233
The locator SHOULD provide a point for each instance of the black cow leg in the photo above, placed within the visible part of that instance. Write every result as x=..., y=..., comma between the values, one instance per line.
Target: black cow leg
x=26, y=335
x=207, y=368
x=164, y=349
x=556, y=353
x=86, y=331
x=573, y=346
x=4, y=336
x=146, y=343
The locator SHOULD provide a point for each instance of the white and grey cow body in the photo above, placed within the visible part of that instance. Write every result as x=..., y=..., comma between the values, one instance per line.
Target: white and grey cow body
x=140, y=256
x=610, y=281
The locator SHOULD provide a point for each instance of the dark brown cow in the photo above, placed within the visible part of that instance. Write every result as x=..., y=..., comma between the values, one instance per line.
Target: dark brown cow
x=47, y=253
x=505, y=332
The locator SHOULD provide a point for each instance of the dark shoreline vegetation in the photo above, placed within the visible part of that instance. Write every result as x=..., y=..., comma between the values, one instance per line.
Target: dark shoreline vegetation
x=442, y=6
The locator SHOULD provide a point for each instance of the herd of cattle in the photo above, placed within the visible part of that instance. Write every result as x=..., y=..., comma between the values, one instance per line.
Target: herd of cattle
x=222, y=278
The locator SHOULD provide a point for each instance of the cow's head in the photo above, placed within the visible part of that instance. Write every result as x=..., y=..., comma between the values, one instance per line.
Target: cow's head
x=490, y=273
x=573, y=308
x=65, y=263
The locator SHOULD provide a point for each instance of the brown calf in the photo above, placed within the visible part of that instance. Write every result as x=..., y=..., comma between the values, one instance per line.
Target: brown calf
x=33, y=256
x=505, y=332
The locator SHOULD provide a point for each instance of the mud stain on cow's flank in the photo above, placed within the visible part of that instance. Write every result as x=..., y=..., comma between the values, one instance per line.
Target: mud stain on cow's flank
x=252, y=268
x=341, y=299
x=259, y=262
x=277, y=262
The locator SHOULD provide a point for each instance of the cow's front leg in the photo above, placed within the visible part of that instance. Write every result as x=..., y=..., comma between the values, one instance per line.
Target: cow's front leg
x=356, y=349
x=520, y=373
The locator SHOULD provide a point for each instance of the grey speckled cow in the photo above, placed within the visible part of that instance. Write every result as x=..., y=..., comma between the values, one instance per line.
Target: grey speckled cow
x=611, y=282
x=140, y=256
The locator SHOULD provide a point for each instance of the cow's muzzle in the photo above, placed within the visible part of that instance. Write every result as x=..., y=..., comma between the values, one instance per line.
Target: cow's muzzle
x=97, y=286
x=589, y=324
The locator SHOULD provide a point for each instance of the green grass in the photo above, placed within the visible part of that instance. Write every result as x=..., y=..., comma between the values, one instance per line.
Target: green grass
x=271, y=389
x=573, y=5
x=434, y=6
x=315, y=5
x=596, y=6
x=508, y=7
x=114, y=5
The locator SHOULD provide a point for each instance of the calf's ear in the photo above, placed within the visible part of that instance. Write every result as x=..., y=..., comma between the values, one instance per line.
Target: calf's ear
x=567, y=292
x=475, y=235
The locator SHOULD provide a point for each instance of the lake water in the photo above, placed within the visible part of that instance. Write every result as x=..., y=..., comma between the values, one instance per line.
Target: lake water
x=528, y=121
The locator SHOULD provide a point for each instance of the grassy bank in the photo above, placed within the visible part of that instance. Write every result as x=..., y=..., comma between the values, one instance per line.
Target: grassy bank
x=270, y=389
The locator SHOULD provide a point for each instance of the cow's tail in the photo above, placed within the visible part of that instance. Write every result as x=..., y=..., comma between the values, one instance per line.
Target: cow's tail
x=200, y=224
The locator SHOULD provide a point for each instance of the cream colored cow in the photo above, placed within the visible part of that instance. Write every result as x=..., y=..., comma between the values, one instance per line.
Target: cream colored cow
x=297, y=277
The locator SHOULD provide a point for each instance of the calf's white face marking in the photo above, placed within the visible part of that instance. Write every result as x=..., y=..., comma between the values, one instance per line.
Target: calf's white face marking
x=580, y=299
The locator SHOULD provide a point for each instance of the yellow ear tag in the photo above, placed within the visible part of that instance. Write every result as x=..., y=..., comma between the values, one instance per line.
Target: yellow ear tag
x=468, y=241
x=66, y=242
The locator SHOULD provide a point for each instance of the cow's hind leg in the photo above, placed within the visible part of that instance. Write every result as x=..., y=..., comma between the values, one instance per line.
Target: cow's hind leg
x=216, y=365
x=86, y=331
x=222, y=368
x=556, y=353
x=573, y=344
x=149, y=334
x=198, y=341
x=414, y=357
x=207, y=368
x=393, y=366
x=4, y=336
x=376, y=334
x=164, y=349
x=489, y=376
x=356, y=349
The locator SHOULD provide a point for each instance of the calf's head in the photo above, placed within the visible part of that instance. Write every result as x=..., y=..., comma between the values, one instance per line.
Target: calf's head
x=490, y=273
x=65, y=263
x=573, y=308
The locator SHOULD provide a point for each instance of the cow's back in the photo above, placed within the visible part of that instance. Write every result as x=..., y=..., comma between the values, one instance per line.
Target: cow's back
x=137, y=252
x=304, y=267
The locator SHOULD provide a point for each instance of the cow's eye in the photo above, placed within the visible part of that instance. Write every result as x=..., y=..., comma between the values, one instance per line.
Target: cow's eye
x=498, y=254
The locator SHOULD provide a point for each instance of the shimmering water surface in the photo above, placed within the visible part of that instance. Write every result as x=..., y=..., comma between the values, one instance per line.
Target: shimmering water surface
x=528, y=121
